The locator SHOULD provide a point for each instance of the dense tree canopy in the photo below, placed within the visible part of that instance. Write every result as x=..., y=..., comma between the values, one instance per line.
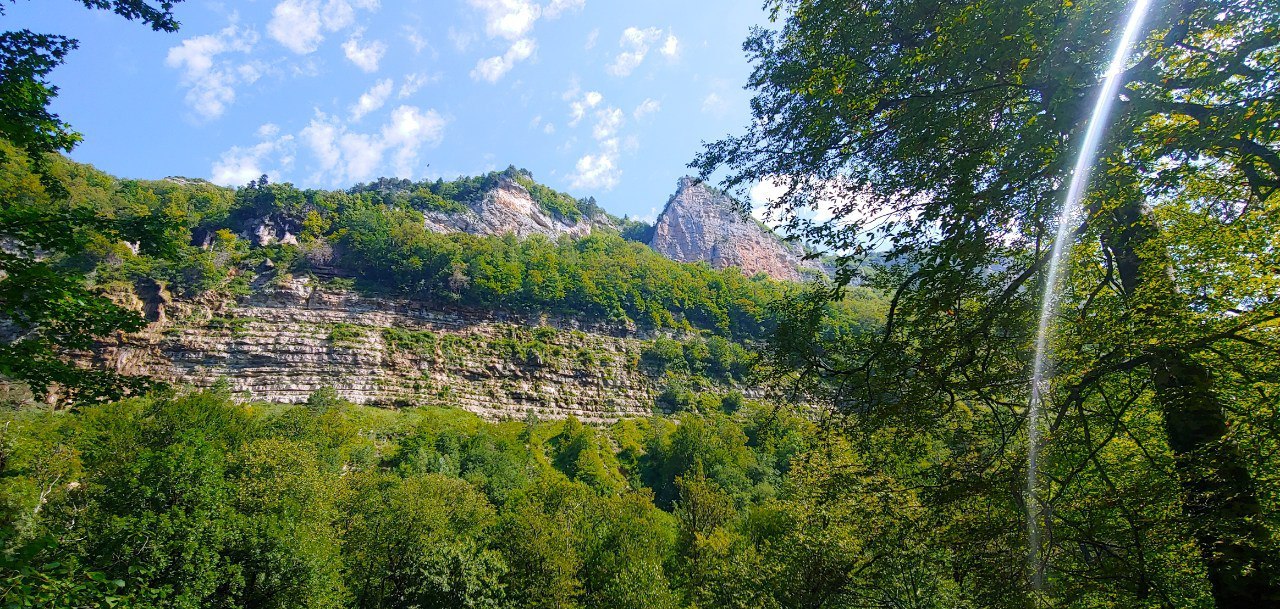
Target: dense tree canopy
x=46, y=310
x=943, y=133
x=195, y=501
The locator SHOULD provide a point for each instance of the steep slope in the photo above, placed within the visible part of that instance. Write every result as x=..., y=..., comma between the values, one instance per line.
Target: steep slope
x=699, y=224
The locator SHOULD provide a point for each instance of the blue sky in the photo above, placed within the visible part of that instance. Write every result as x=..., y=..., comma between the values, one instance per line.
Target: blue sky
x=596, y=97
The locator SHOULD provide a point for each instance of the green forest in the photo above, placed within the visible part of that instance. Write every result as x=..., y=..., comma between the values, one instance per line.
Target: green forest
x=902, y=457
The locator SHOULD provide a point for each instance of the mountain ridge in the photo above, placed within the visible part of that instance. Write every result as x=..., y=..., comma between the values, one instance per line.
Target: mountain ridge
x=697, y=224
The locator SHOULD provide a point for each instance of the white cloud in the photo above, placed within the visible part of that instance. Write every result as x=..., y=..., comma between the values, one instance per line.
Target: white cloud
x=415, y=39
x=367, y=56
x=296, y=24
x=493, y=69
x=346, y=156
x=592, y=39
x=578, y=107
x=372, y=99
x=574, y=89
x=763, y=194
x=510, y=19
x=413, y=82
x=556, y=7
x=238, y=165
x=301, y=25
x=646, y=107
x=635, y=43
x=321, y=137
x=608, y=121
x=409, y=130
x=714, y=104
x=547, y=128
x=671, y=47
x=211, y=82
x=461, y=40
x=600, y=170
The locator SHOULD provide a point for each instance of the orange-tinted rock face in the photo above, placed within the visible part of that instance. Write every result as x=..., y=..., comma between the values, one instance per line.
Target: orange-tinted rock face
x=700, y=225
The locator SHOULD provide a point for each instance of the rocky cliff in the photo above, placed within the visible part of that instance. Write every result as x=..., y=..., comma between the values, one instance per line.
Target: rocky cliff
x=293, y=336
x=508, y=208
x=699, y=224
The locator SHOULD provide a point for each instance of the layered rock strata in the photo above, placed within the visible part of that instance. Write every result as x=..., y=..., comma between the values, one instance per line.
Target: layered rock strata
x=288, y=340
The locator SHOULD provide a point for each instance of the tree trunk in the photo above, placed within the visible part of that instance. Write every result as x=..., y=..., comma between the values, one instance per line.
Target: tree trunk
x=1219, y=497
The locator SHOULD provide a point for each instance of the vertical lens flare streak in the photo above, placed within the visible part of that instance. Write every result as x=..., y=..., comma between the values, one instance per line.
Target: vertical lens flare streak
x=1057, y=264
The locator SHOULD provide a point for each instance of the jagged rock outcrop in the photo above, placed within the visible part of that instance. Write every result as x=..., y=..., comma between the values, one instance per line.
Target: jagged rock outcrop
x=508, y=208
x=699, y=224
x=291, y=337
x=271, y=229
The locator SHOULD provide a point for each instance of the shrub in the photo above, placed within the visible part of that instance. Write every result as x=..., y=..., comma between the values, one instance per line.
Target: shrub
x=345, y=334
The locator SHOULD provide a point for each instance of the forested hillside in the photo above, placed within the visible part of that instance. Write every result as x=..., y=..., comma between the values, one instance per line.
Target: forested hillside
x=215, y=238
x=1042, y=372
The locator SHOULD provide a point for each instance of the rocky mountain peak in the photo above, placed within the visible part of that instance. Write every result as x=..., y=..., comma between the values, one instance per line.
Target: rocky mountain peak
x=507, y=208
x=702, y=224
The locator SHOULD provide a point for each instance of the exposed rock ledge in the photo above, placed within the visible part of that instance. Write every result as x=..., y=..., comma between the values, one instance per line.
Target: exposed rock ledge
x=284, y=342
x=507, y=209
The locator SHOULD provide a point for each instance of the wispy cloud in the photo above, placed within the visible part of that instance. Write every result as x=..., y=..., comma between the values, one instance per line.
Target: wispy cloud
x=344, y=155
x=555, y=7
x=646, y=107
x=365, y=56
x=335, y=151
x=414, y=82
x=598, y=170
x=372, y=99
x=714, y=104
x=492, y=69
x=301, y=25
x=415, y=40
x=636, y=44
x=271, y=155
x=578, y=106
x=512, y=20
x=211, y=80
x=608, y=121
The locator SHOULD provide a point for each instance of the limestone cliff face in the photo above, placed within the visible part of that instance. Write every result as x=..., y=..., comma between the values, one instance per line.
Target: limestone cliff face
x=507, y=209
x=291, y=337
x=699, y=224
